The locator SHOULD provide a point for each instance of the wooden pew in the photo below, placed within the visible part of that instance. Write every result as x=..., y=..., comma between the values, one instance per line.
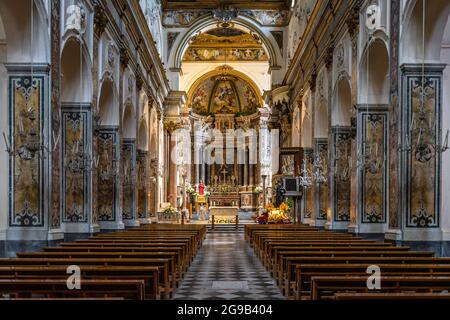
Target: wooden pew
x=391, y=296
x=56, y=288
x=326, y=287
x=304, y=273
x=162, y=264
x=149, y=275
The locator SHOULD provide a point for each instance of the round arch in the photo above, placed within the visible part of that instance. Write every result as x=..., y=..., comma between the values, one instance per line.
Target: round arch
x=436, y=17
x=108, y=104
x=129, y=122
x=219, y=71
x=142, y=139
x=206, y=23
x=342, y=102
x=76, y=75
x=321, y=119
x=374, y=73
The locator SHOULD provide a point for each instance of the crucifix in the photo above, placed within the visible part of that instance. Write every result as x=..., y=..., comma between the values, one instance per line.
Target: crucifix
x=224, y=172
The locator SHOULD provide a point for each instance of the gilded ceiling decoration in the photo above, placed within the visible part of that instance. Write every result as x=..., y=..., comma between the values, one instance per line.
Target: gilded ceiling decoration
x=214, y=4
x=225, y=44
x=224, y=92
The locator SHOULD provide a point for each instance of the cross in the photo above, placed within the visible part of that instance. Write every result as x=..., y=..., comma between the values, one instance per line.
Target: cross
x=224, y=172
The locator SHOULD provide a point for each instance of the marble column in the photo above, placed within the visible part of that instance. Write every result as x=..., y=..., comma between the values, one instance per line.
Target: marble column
x=172, y=188
x=395, y=218
x=55, y=232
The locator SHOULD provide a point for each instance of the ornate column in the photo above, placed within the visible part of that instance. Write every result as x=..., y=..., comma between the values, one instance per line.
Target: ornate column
x=353, y=29
x=124, y=60
x=100, y=22
x=331, y=147
x=395, y=217
x=170, y=127
x=142, y=187
x=54, y=218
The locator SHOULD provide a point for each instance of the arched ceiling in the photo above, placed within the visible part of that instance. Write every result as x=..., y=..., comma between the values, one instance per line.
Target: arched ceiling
x=214, y=4
x=224, y=91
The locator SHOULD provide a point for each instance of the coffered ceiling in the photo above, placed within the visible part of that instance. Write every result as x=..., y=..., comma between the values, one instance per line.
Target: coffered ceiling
x=214, y=4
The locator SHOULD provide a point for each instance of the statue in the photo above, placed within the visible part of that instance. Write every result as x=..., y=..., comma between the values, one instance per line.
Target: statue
x=202, y=214
x=201, y=188
x=280, y=191
x=76, y=18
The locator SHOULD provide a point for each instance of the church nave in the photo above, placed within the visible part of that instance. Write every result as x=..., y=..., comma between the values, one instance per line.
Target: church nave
x=226, y=268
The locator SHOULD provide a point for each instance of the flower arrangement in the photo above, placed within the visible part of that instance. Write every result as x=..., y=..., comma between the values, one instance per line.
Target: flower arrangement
x=170, y=210
x=278, y=215
x=258, y=189
x=191, y=190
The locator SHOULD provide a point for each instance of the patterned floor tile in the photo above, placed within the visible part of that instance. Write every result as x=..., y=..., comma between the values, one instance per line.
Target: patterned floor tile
x=226, y=268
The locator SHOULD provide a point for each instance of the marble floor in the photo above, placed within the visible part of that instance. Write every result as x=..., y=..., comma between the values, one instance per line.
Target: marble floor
x=226, y=268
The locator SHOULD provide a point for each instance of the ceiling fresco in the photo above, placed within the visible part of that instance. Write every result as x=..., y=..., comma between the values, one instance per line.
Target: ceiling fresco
x=224, y=94
x=225, y=44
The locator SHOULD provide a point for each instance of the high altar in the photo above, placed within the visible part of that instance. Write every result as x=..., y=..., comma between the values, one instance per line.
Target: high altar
x=224, y=102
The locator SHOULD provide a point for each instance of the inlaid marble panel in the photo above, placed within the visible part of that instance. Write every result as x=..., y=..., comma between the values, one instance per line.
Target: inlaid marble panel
x=75, y=138
x=141, y=168
x=322, y=151
x=106, y=174
x=342, y=138
x=374, y=171
x=422, y=121
x=25, y=139
x=129, y=179
x=309, y=192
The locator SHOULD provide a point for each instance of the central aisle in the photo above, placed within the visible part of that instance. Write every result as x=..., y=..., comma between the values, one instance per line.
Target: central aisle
x=226, y=268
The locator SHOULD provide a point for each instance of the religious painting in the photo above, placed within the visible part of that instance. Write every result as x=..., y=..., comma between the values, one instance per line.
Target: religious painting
x=26, y=206
x=229, y=45
x=224, y=94
x=273, y=18
x=200, y=97
x=250, y=102
x=224, y=98
x=225, y=54
x=181, y=18
x=374, y=171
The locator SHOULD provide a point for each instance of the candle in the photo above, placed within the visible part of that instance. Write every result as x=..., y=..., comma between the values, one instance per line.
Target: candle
x=6, y=142
x=412, y=123
x=446, y=141
x=21, y=129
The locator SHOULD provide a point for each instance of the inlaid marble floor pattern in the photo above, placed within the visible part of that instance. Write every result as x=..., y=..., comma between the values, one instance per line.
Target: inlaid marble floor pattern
x=226, y=268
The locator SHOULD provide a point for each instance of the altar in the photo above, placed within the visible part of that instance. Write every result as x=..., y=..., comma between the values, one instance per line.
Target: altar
x=224, y=211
